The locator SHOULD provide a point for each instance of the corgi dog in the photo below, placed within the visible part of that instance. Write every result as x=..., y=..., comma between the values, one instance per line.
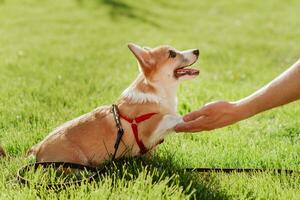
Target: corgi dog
x=147, y=109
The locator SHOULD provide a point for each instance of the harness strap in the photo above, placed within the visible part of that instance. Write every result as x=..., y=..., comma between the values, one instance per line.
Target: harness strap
x=120, y=131
x=134, y=126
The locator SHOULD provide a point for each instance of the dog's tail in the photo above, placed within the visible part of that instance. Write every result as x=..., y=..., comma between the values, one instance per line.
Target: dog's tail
x=30, y=153
x=2, y=152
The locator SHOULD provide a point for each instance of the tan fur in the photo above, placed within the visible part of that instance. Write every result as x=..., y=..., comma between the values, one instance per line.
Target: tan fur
x=89, y=139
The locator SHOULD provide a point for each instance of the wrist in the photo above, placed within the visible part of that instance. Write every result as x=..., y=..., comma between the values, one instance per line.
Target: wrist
x=243, y=109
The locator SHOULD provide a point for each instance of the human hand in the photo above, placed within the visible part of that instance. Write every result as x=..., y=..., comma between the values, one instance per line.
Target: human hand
x=211, y=116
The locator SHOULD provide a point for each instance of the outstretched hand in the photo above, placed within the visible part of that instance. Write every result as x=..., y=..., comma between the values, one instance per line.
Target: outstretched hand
x=282, y=90
x=211, y=116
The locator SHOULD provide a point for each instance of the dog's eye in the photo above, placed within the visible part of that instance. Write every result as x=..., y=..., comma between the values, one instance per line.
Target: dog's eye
x=172, y=54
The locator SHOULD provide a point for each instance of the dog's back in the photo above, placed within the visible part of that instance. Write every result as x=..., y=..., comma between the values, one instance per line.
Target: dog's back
x=68, y=142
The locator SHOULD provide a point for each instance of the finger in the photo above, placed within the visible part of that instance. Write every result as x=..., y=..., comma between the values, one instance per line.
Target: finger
x=195, y=114
x=182, y=128
x=193, y=126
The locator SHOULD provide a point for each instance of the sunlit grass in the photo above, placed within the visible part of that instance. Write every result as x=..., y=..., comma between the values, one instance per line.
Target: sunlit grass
x=60, y=59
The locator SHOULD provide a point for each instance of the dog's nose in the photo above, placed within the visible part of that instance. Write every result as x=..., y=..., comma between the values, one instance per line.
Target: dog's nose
x=196, y=52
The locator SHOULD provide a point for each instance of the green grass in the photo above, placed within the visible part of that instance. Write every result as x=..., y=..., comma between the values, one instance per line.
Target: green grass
x=60, y=59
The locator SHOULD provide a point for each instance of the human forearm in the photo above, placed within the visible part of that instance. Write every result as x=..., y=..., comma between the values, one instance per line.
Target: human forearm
x=282, y=90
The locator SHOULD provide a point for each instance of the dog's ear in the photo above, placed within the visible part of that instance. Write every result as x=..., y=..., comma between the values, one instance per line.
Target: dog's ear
x=143, y=56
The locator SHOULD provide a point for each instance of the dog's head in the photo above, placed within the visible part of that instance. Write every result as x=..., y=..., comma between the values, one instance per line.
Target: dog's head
x=165, y=64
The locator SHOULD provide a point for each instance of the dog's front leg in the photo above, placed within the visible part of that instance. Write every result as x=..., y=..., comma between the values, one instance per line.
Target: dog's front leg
x=166, y=126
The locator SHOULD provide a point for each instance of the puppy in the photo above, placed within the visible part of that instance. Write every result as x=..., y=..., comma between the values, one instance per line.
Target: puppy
x=147, y=108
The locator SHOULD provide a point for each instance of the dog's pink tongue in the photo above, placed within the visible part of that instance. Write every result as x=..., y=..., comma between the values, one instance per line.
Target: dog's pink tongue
x=186, y=71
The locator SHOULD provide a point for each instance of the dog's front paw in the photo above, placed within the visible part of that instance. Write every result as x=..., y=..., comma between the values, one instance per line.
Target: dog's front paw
x=174, y=120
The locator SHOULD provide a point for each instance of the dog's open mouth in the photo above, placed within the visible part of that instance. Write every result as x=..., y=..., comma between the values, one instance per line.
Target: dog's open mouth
x=185, y=71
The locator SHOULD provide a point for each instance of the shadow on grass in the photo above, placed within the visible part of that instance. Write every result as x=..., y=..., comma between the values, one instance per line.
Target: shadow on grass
x=160, y=169
x=202, y=186
x=119, y=9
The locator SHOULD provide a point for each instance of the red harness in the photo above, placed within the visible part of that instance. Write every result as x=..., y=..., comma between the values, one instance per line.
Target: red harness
x=134, y=126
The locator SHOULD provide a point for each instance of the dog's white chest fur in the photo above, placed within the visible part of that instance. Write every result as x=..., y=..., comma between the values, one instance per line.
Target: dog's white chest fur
x=140, y=97
x=168, y=122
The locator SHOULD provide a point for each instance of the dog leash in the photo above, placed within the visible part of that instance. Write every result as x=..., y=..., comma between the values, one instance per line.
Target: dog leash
x=98, y=170
x=239, y=170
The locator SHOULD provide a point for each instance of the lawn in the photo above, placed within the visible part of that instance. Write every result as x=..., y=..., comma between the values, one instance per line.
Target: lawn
x=62, y=58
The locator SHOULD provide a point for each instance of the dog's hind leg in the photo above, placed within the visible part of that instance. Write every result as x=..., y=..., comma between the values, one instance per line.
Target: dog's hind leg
x=61, y=151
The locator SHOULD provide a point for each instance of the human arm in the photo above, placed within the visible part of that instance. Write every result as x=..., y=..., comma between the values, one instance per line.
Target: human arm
x=282, y=90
